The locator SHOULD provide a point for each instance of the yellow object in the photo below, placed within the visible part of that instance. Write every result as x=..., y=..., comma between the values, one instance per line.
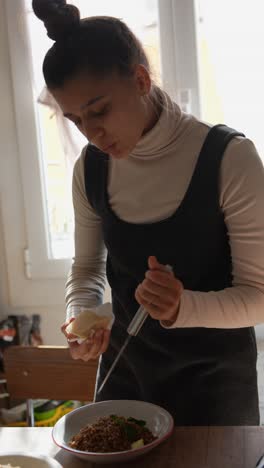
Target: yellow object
x=139, y=443
x=58, y=413
x=86, y=322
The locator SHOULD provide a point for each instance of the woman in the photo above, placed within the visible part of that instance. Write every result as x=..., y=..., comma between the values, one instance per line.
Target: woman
x=156, y=186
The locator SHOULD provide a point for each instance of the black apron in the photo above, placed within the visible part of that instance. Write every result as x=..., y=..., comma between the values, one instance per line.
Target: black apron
x=201, y=376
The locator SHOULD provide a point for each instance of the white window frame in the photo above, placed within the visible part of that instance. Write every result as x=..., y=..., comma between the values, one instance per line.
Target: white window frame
x=179, y=58
x=38, y=264
x=34, y=278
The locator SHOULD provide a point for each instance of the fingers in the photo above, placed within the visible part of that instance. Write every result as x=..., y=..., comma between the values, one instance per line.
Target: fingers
x=160, y=309
x=160, y=292
x=96, y=344
x=91, y=348
x=159, y=273
x=160, y=283
x=160, y=300
x=155, y=265
x=65, y=324
x=161, y=278
x=105, y=342
x=69, y=336
x=153, y=288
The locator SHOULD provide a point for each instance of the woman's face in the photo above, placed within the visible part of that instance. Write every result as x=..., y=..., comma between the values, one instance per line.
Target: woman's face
x=112, y=112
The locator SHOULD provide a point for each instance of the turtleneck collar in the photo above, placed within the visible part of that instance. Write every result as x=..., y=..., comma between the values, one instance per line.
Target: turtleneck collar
x=158, y=140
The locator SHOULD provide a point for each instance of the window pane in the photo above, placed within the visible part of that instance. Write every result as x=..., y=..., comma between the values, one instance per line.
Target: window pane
x=231, y=64
x=142, y=18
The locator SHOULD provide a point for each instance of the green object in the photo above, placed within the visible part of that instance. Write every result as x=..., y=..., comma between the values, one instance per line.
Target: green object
x=128, y=427
x=48, y=409
x=139, y=422
x=130, y=432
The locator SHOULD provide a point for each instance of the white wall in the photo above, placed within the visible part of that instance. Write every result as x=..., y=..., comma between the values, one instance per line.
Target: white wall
x=10, y=186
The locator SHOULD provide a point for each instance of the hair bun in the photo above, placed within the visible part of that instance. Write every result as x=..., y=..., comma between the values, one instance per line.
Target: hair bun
x=59, y=18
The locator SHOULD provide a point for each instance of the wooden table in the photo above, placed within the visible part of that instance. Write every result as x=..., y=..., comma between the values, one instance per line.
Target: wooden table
x=192, y=447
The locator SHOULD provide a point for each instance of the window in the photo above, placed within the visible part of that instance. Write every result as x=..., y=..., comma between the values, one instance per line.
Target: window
x=44, y=165
x=57, y=165
x=209, y=61
x=230, y=39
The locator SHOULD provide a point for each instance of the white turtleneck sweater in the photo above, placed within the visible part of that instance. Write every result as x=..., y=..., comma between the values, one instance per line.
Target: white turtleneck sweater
x=149, y=186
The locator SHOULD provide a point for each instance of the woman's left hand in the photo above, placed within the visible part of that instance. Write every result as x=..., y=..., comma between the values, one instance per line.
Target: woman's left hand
x=160, y=292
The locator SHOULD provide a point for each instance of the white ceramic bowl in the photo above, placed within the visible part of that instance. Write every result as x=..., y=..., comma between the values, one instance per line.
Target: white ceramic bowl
x=24, y=460
x=158, y=421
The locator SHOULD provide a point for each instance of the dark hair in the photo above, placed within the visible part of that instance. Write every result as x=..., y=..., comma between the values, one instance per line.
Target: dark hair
x=98, y=45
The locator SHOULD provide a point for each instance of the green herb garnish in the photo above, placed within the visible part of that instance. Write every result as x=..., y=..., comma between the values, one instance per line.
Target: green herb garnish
x=139, y=422
x=117, y=419
x=129, y=430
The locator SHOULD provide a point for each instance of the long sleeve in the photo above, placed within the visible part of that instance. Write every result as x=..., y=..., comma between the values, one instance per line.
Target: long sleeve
x=169, y=152
x=242, y=202
x=86, y=279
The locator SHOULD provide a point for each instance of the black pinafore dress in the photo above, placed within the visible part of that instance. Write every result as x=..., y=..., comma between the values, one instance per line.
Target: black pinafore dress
x=201, y=376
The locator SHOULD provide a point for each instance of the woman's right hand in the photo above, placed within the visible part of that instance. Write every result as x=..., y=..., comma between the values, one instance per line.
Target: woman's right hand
x=91, y=348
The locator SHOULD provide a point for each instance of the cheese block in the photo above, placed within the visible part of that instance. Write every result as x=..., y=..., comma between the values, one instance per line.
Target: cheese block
x=86, y=323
